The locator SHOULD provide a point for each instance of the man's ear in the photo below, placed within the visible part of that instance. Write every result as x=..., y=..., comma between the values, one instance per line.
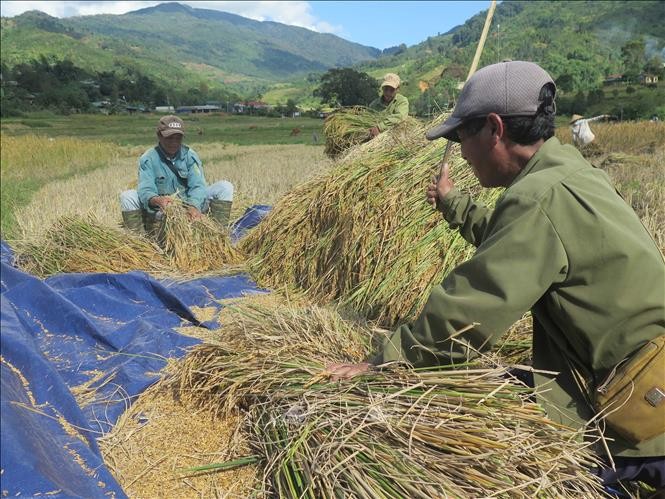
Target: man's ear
x=496, y=126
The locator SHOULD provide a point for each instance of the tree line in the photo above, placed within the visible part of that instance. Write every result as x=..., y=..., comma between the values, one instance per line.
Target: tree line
x=63, y=87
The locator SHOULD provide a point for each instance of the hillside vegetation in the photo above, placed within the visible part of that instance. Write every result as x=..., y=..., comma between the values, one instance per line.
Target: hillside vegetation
x=218, y=56
x=578, y=43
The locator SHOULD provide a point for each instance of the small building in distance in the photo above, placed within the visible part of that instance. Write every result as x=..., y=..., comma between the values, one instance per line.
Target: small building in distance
x=612, y=79
x=648, y=79
x=164, y=109
x=250, y=106
x=206, y=108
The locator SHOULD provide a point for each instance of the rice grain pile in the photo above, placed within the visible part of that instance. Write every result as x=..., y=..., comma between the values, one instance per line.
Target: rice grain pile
x=396, y=433
x=155, y=444
x=363, y=233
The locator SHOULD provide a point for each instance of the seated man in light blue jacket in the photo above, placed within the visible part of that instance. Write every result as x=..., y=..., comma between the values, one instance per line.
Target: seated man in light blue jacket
x=173, y=168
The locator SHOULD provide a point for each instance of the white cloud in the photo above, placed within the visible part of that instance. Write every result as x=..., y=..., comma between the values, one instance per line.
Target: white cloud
x=295, y=13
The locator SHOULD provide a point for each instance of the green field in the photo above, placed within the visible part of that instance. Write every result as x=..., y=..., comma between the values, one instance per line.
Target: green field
x=139, y=129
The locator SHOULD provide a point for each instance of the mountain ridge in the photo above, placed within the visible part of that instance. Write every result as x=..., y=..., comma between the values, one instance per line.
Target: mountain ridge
x=256, y=53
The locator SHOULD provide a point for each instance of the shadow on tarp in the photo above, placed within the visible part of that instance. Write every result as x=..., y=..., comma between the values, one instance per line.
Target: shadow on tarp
x=111, y=331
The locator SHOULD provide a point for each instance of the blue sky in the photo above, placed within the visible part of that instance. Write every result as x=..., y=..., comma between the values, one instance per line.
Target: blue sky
x=389, y=23
x=379, y=24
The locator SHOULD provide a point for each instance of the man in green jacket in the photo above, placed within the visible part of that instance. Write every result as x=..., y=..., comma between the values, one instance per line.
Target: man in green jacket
x=394, y=107
x=560, y=242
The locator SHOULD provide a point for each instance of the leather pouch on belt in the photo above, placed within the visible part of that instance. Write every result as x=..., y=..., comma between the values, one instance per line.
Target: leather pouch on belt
x=632, y=398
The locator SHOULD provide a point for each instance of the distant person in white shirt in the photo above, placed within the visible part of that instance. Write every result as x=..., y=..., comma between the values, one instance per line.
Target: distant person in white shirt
x=582, y=134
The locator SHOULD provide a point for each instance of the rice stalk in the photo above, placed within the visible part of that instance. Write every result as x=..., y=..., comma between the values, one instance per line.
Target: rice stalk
x=82, y=244
x=196, y=246
x=444, y=432
x=347, y=127
x=363, y=234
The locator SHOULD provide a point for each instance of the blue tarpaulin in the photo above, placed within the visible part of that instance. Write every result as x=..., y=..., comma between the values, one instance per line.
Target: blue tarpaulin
x=114, y=330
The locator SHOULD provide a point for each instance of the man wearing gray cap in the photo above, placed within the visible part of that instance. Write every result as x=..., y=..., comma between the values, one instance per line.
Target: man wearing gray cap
x=173, y=168
x=561, y=243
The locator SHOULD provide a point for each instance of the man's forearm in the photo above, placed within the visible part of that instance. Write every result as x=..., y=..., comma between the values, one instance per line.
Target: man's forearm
x=463, y=213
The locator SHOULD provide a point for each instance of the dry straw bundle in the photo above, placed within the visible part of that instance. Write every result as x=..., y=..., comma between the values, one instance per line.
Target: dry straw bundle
x=349, y=126
x=196, y=246
x=81, y=244
x=397, y=433
x=363, y=233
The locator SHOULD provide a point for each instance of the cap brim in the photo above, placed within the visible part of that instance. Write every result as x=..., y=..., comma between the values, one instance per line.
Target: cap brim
x=171, y=131
x=445, y=129
x=387, y=84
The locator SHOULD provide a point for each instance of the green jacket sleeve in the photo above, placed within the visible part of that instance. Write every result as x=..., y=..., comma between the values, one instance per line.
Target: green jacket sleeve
x=519, y=259
x=394, y=114
x=464, y=214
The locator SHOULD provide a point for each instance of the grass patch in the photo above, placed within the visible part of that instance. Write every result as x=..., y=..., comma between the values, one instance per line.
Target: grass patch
x=28, y=162
x=12, y=196
x=139, y=129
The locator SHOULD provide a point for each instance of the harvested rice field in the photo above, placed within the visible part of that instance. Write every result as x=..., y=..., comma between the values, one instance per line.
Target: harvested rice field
x=349, y=251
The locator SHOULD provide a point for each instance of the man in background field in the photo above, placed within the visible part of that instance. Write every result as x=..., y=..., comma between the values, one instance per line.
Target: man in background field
x=394, y=107
x=559, y=242
x=173, y=168
x=579, y=126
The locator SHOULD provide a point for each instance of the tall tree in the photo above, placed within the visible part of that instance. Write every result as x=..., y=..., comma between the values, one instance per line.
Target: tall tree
x=346, y=87
x=632, y=54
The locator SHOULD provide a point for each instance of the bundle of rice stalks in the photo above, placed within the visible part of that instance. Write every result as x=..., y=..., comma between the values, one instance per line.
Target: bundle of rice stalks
x=196, y=246
x=82, y=244
x=397, y=433
x=350, y=126
x=363, y=233
x=347, y=127
x=514, y=347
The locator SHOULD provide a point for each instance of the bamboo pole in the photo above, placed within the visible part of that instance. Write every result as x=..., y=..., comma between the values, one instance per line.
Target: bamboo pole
x=472, y=69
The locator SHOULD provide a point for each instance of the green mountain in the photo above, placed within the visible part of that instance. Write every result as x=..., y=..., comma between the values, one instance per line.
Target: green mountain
x=197, y=51
x=181, y=45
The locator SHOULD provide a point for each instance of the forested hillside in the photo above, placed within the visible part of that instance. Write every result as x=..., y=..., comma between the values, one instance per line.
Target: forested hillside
x=177, y=54
x=579, y=43
x=205, y=53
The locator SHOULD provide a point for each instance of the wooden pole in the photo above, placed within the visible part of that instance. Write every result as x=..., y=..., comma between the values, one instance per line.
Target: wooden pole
x=474, y=65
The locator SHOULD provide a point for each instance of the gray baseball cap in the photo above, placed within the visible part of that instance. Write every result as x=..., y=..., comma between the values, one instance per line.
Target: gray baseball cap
x=509, y=88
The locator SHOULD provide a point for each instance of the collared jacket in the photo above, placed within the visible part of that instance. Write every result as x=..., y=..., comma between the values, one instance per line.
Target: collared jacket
x=394, y=112
x=157, y=179
x=562, y=243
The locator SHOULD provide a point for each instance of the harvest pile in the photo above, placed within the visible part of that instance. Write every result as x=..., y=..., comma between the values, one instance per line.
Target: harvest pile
x=363, y=234
x=446, y=432
x=83, y=244
x=349, y=126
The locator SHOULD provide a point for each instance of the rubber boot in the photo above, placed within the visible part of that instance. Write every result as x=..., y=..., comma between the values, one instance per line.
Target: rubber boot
x=133, y=221
x=220, y=211
x=154, y=227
